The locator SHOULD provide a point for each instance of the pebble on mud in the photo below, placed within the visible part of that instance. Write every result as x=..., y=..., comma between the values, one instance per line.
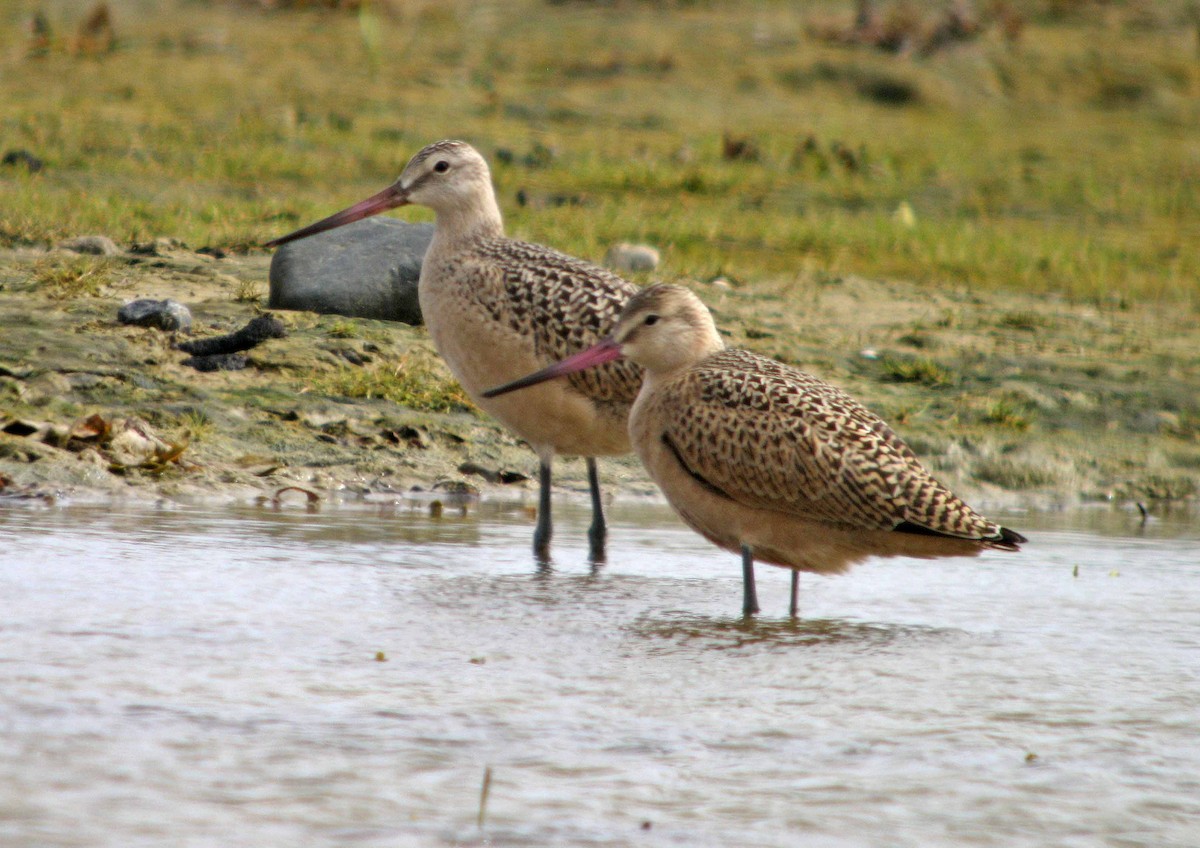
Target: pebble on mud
x=166, y=315
x=628, y=258
x=160, y=246
x=91, y=245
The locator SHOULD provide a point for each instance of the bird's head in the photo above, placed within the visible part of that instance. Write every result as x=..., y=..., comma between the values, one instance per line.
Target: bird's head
x=663, y=328
x=450, y=177
x=666, y=327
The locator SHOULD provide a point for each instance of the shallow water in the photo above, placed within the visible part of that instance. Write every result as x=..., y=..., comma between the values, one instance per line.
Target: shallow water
x=191, y=676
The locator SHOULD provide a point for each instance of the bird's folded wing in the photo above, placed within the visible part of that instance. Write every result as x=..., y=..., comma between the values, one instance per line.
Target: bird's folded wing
x=774, y=437
x=565, y=305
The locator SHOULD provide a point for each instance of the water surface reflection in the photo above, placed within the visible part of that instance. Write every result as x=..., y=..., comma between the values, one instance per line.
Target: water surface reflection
x=683, y=631
x=250, y=676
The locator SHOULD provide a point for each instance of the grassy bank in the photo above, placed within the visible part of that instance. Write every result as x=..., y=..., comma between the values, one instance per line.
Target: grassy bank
x=1011, y=398
x=992, y=243
x=1062, y=160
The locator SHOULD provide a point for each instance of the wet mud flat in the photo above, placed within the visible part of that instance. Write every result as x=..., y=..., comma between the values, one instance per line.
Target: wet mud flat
x=1012, y=399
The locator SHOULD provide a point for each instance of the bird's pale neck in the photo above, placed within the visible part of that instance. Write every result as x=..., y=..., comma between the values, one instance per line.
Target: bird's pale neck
x=664, y=356
x=702, y=342
x=469, y=219
x=708, y=340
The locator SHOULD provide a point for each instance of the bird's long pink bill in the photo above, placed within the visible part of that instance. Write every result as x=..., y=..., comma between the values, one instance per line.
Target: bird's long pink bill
x=389, y=198
x=597, y=354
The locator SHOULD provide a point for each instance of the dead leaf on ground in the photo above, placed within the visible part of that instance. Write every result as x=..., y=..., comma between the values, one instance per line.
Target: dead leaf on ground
x=94, y=428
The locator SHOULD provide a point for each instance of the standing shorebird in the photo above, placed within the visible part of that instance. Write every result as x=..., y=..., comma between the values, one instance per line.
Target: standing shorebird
x=767, y=460
x=496, y=308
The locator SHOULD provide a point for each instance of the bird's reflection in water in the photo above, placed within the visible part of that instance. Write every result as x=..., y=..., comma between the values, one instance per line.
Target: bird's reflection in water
x=692, y=632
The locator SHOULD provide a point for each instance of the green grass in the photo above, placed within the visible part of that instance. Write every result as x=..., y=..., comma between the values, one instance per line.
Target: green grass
x=916, y=369
x=344, y=329
x=1026, y=319
x=1007, y=414
x=1014, y=474
x=1064, y=163
x=247, y=291
x=413, y=380
x=63, y=278
x=1167, y=487
x=196, y=424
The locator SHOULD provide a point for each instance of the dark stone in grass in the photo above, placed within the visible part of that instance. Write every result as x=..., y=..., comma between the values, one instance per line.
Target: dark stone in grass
x=352, y=356
x=23, y=158
x=167, y=315
x=889, y=91
x=257, y=331
x=367, y=269
x=93, y=245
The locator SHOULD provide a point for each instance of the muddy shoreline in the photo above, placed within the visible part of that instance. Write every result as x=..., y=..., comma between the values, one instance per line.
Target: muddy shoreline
x=1037, y=403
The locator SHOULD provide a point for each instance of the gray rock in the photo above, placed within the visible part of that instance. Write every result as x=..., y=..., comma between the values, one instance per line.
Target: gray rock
x=625, y=257
x=367, y=269
x=159, y=246
x=257, y=331
x=167, y=315
x=93, y=245
x=23, y=158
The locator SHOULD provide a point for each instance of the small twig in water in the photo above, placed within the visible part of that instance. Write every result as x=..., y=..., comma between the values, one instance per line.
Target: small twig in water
x=483, y=794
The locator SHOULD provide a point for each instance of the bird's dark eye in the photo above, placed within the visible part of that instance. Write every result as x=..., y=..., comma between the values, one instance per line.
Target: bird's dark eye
x=442, y=166
x=651, y=320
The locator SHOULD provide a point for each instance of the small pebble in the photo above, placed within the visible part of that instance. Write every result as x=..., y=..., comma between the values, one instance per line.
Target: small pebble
x=169, y=315
x=92, y=245
x=904, y=215
x=631, y=257
x=158, y=247
x=23, y=157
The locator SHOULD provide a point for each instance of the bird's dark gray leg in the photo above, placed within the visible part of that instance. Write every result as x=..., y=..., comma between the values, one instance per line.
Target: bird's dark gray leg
x=541, y=535
x=794, y=606
x=749, y=593
x=598, y=532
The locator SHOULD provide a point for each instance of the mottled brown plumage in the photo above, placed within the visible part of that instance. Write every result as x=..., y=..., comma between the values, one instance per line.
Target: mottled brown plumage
x=773, y=437
x=497, y=308
x=559, y=304
x=816, y=451
x=770, y=461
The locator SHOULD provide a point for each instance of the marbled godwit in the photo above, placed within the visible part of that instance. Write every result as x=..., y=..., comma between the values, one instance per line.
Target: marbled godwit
x=769, y=461
x=496, y=308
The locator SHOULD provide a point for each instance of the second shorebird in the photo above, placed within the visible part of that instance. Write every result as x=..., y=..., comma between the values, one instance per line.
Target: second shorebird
x=769, y=461
x=497, y=308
